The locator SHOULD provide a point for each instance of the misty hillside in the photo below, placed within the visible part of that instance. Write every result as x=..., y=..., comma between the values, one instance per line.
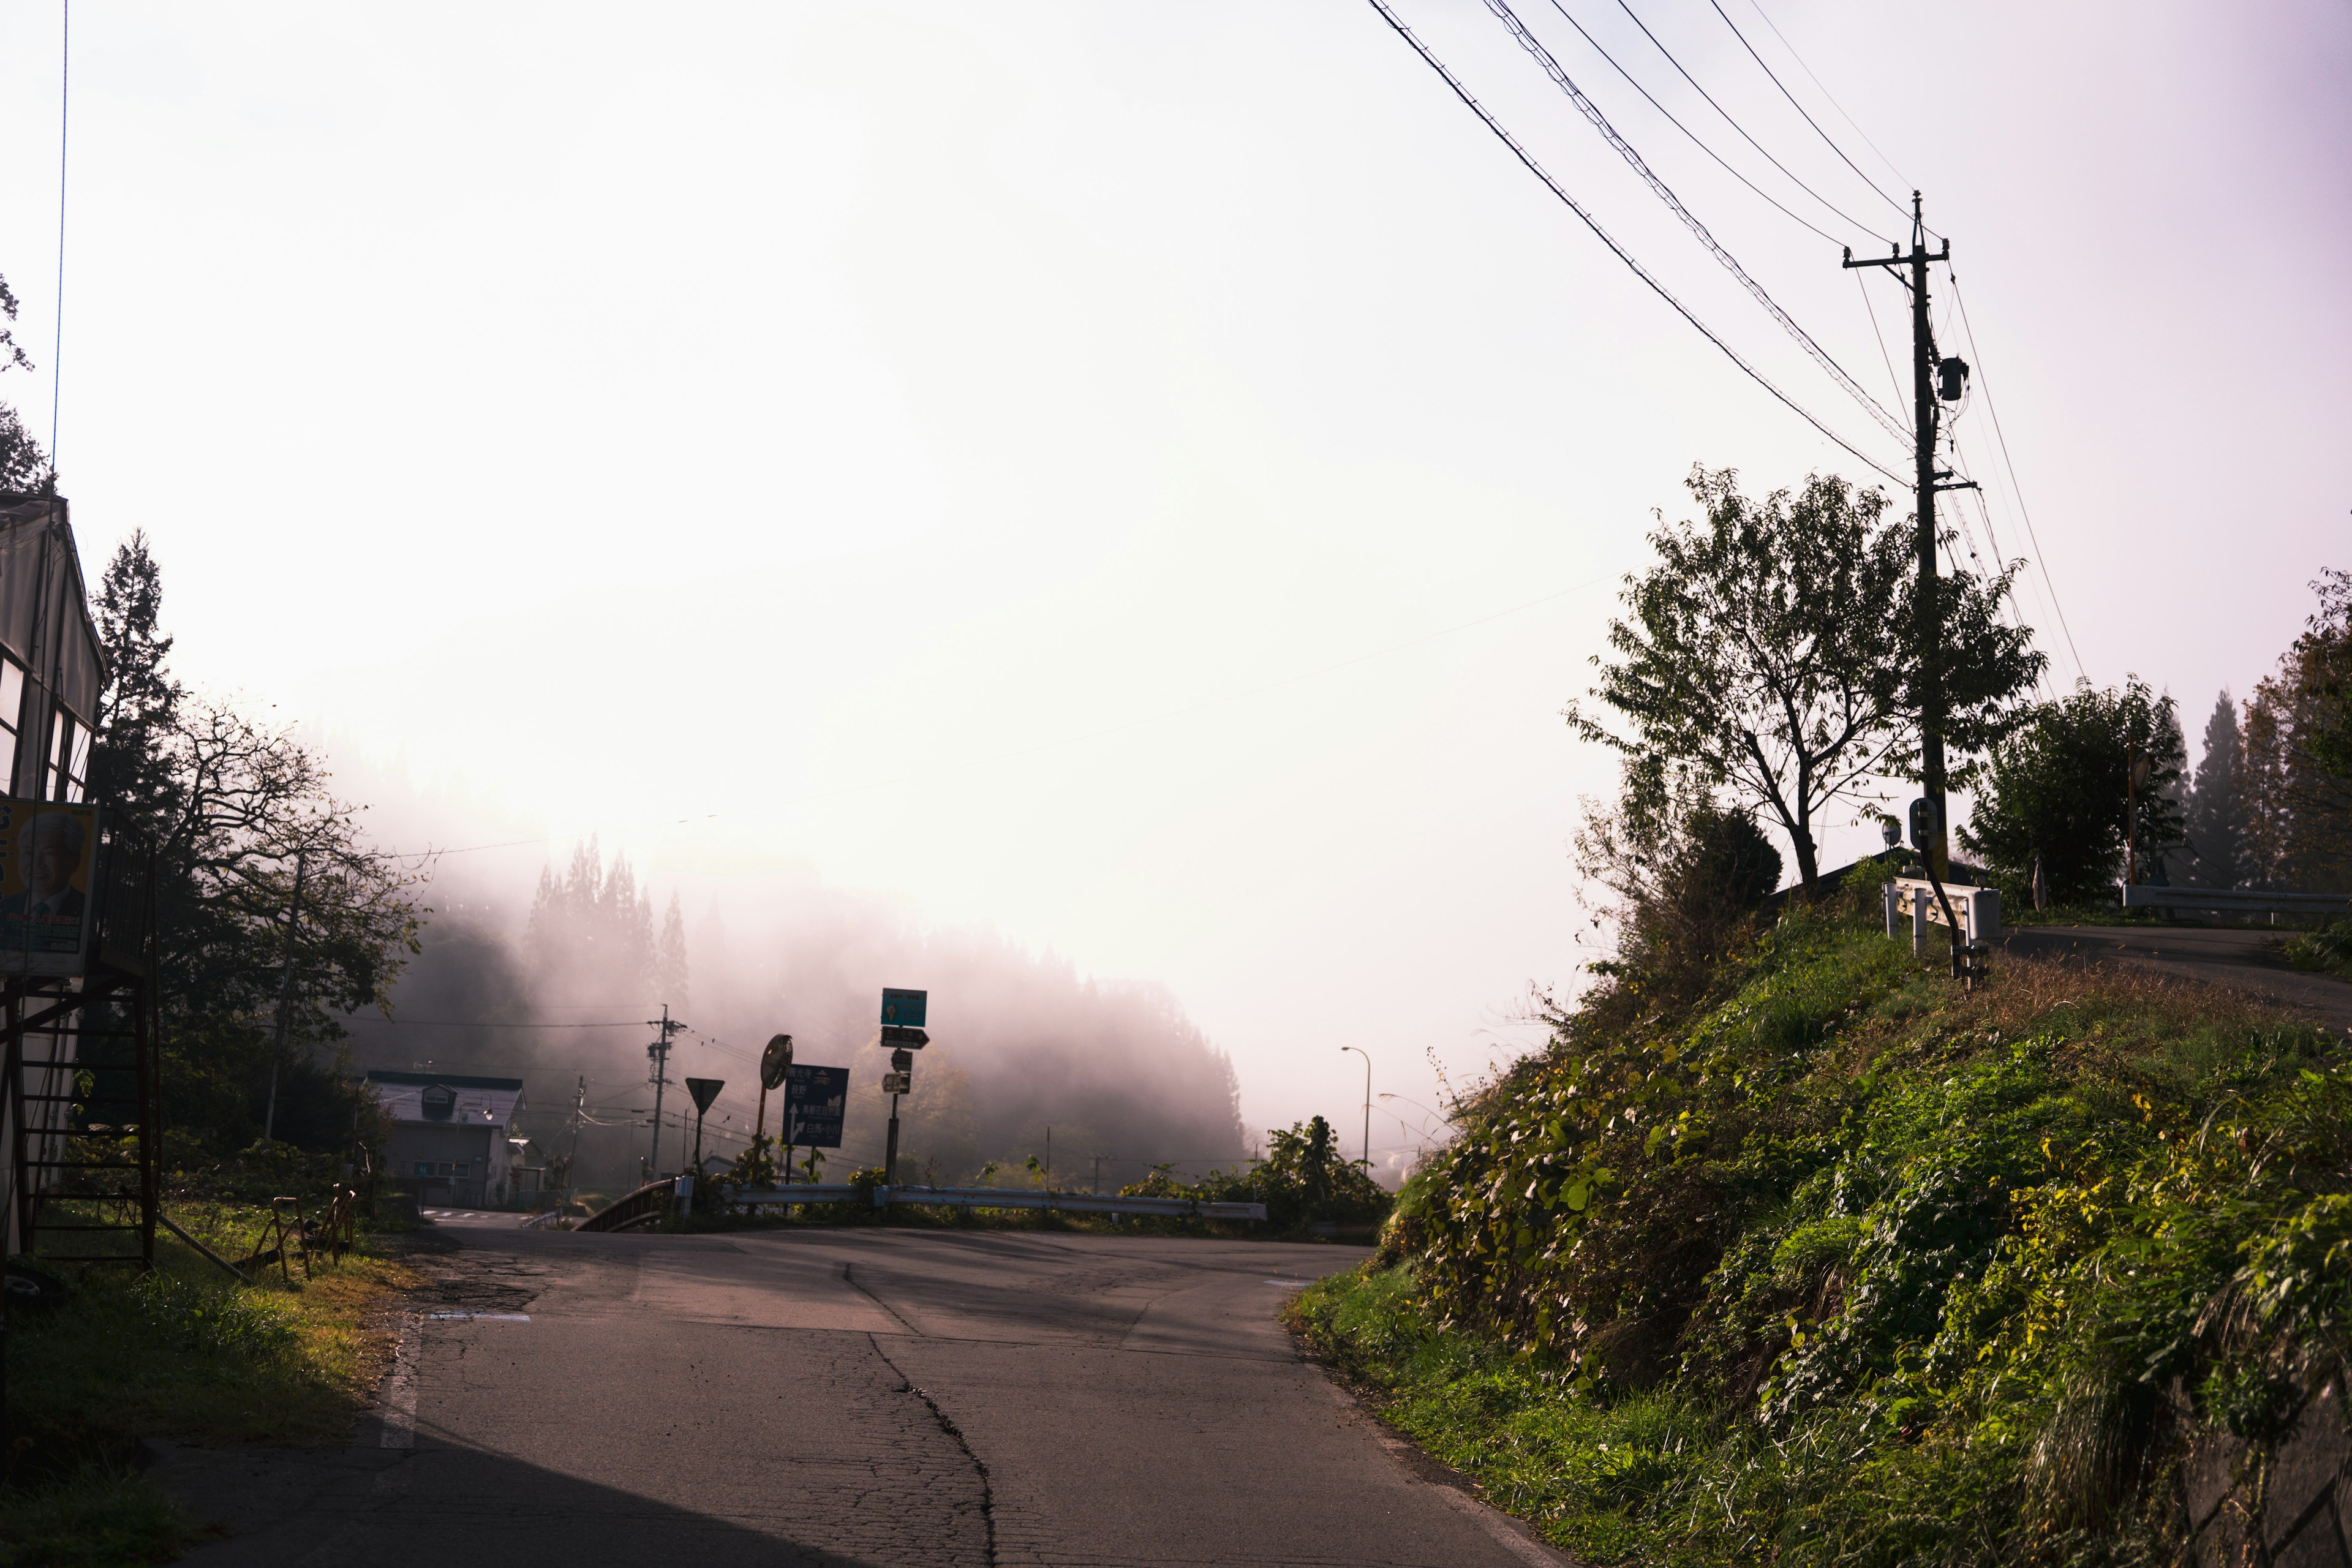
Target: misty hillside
x=559, y=985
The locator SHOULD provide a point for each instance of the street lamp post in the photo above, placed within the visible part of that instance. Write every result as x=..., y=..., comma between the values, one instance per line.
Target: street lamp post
x=1368, y=1103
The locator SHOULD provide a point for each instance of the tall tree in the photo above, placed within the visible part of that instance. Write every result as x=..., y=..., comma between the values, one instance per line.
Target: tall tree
x=590, y=932
x=24, y=466
x=1772, y=652
x=2298, y=811
x=231, y=808
x=2060, y=790
x=2323, y=661
x=2216, y=815
x=669, y=959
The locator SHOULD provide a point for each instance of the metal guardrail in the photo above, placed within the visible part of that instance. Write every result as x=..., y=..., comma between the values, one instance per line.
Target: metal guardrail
x=1978, y=909
x=647, y=1203
x=994, y=1198
x=2236, y=901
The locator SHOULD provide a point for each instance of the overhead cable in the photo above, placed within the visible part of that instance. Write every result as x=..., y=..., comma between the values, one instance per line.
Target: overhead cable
x=1622, y=255
x=1635, y=83
x=1800, y=107
x=1872, y=311
x=1826, y=93
x=1994, y=409
x=1735, y=124
x=1591, y=112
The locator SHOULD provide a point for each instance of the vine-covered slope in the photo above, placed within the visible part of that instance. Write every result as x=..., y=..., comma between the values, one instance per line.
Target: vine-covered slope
x=1840, y=1265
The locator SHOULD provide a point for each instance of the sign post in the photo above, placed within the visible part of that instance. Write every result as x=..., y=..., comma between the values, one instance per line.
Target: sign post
x=902, y=1024
x=772, y=1063
x=705, y=1090
x=816, y=1102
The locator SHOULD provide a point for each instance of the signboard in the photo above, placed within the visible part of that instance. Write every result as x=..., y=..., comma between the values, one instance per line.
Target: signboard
x=904, y=1006
x=48, y=860
x=897, y=1083
x=815, y=1099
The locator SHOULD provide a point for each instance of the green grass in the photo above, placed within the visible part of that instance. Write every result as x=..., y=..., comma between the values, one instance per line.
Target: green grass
x=183, y=1351
x=2327, y=951
x=1837, y=1265
x=96, y=1517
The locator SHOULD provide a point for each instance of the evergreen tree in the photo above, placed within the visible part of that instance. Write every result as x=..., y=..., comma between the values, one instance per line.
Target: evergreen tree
x=231, y=808
x=591, y=934
x=24, y=466
x=130, y=765
x=2217, y=806
x=669, y=959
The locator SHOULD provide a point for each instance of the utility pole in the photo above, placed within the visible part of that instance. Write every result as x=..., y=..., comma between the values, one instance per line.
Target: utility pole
x=285, y=996
x=1926, y=369
x=572, y=1165
x=659, y=1052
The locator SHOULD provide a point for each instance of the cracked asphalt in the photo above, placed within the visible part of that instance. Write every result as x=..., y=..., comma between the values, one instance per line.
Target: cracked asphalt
x=855, y=1397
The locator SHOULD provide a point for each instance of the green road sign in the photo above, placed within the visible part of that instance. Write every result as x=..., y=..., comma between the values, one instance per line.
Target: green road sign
x=904, y=1006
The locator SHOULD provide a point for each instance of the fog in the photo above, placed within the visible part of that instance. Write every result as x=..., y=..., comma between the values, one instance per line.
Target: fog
x=557, y=981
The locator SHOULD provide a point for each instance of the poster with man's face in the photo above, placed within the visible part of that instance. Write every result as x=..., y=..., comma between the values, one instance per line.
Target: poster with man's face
x=48, y=855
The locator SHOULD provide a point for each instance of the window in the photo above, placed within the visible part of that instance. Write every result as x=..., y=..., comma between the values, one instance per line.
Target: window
x=12, y=703
x=60, y=741
x=77, y=764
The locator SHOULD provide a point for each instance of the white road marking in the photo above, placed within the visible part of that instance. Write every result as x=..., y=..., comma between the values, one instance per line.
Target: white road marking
x=482, y=1316
x=400, y=1394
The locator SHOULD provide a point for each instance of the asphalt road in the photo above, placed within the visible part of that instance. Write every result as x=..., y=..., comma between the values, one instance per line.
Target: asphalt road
x=839, y=1397
x=2244, y=960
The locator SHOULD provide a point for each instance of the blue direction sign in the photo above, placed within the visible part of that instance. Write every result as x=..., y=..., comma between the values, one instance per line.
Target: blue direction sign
x=814, y=1101
x=904, y=1007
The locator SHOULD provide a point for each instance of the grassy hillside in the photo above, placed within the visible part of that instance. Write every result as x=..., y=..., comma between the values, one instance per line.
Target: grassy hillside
x=1831, y=1263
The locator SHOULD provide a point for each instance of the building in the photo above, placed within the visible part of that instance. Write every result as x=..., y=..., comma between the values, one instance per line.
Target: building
x=453, y=1137
x=73, y=896
x=52, y=666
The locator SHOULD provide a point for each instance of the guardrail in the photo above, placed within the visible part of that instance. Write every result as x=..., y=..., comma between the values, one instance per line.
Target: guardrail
x=994, y=1198
x=2236, y=901
x=647, y=1203
x=1978, y=909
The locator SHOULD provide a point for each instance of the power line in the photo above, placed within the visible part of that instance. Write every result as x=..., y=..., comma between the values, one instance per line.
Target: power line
x=1635, y=83
x=1735, y=124
x=1994, y=409
x=1591, y=112
x=1831, y=96
x=1800, y=107
x=1872, y=310
x=57, y=340
x=1591, y=223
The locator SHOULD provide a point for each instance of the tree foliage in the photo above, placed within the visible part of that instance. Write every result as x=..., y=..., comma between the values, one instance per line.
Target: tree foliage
x=232, y=805
x=23, y=465
x=2215, y=821
x=1772, y=651
x=2059, y=789
x=1684, y=875
x=2323, y=665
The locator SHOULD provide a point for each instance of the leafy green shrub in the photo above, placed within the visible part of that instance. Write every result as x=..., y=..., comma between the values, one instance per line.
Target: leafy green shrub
x=1843, y=1266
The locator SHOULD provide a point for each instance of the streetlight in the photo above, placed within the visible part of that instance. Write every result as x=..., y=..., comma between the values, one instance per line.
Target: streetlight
x=1368, y=1103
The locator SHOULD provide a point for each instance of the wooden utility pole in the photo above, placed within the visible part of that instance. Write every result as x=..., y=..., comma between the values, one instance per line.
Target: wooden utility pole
x=659, y=1052
x=1927, y=367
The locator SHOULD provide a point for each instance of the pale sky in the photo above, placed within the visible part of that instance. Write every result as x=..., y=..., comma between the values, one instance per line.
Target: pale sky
x=960, y=441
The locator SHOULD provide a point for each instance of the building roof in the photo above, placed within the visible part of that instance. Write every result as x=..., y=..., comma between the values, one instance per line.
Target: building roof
x=45, y=621
x=464, y=1101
